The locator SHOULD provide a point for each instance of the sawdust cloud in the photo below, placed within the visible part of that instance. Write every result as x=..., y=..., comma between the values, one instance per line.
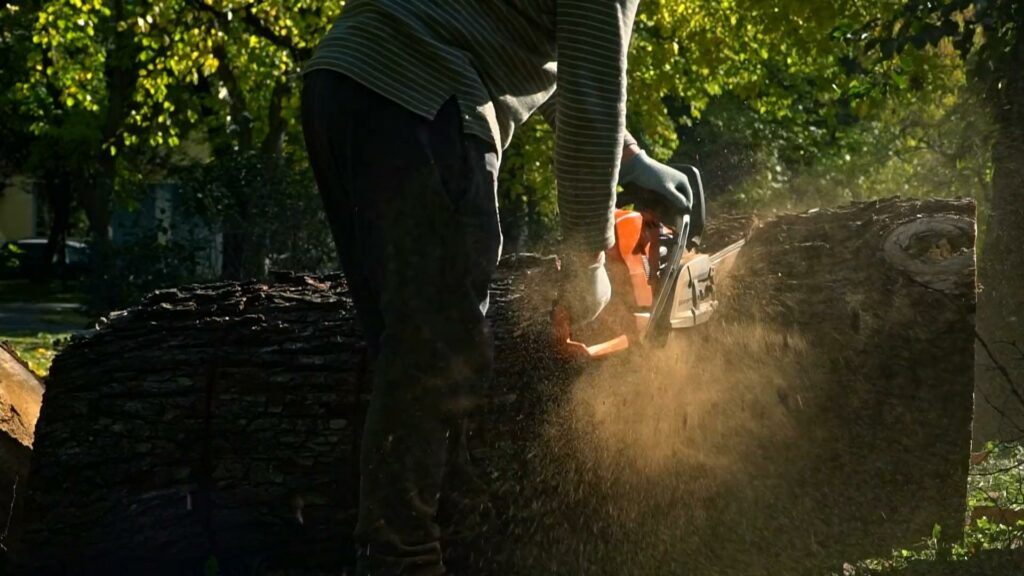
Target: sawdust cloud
x=702, y=402
x=652, y=452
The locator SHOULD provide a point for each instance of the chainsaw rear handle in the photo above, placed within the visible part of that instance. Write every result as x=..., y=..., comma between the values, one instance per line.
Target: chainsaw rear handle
x=571, y=349
x=669, y=211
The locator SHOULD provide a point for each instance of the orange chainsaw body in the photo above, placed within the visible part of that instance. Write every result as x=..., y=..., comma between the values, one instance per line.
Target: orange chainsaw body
x=631, y=264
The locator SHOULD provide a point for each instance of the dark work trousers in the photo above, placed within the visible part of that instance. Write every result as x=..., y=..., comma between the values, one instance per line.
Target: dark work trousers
x=412, y=206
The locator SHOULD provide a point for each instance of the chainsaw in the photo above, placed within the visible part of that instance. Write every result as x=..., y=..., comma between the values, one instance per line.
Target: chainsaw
x=660, y=281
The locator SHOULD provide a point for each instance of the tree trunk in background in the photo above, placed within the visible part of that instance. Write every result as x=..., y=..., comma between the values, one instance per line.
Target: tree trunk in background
x=96, y=193
x=822, y=415
x=1000, y=394
x=121, y=69
x=235, y=244
x=58, y=198
x=272, y=160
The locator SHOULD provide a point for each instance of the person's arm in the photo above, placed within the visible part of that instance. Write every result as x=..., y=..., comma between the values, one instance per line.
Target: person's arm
x=668, y=186
x=593, y=37
x=549, y=111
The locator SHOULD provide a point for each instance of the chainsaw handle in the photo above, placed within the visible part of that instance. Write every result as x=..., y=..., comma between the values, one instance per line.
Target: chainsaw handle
x=561, y=322
x=668, y=210
x=698, y=213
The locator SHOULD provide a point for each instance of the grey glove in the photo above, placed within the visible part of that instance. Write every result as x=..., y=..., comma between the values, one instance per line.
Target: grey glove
x=584, y=288
x=657, y=187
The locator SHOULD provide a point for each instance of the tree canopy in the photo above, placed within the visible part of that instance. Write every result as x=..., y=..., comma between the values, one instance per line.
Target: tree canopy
x=782, y=103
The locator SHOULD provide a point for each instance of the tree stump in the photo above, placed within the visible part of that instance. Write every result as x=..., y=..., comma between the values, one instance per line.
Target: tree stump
x=822, y=415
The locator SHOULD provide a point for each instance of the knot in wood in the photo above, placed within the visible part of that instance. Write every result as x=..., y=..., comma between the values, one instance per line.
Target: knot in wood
x=936, y=251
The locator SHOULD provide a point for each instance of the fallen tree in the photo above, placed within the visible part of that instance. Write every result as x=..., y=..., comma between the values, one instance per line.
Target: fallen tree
x=822, y=415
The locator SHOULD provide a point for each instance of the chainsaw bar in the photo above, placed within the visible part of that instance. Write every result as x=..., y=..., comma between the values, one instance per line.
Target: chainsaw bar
x=693, y=299
x=724, y=258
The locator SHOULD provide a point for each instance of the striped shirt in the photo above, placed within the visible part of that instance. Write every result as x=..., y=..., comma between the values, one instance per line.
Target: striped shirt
x=498, y=58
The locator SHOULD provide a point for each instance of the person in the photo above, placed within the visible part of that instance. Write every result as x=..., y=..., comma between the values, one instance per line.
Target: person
x=407, y=106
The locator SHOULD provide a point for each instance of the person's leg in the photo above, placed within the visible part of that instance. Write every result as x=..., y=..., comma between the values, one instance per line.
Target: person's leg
x=329, y=104
x=417, y=223
x=464, y=497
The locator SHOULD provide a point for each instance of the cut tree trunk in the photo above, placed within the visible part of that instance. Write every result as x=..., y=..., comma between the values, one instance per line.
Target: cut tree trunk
x=823, y=415
x=21, y=395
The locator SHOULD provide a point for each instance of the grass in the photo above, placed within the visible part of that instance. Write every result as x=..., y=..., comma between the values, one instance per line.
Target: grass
x=37, y=350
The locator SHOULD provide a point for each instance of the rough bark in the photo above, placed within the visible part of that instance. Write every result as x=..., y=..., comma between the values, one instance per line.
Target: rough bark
x=822, y=415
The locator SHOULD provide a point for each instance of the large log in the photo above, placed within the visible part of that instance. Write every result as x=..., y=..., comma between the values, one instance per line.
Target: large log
x=21, y=395
x=822, y=415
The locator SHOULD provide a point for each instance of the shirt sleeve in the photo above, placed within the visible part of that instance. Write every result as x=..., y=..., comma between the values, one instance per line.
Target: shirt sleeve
x=549, y=111
x=593, y=37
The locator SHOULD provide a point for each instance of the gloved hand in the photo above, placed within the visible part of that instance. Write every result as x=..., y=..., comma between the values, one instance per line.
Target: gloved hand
x=583, y=288
x=657, y=187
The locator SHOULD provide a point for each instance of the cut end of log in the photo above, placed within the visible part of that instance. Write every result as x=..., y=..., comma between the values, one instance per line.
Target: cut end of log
x=21, y=396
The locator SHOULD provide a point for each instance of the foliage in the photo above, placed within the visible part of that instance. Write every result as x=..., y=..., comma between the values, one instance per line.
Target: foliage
x=783, y=89
x=529, y=210
x=15, y=42
x=983, y=32
x=998, y=482
x=995, y=483
x=934, y=142
x=108, y=90
x=141, y=265
x=175, y=46
x=277, y=210
x=9, y=258
x=830, y=129
x=781, y=108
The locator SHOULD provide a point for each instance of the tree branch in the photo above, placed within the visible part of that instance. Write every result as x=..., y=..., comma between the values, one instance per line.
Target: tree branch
x=258, y=27
x=271, y=145
x=237, y=104
x=221, y=17
x=1002, y=369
